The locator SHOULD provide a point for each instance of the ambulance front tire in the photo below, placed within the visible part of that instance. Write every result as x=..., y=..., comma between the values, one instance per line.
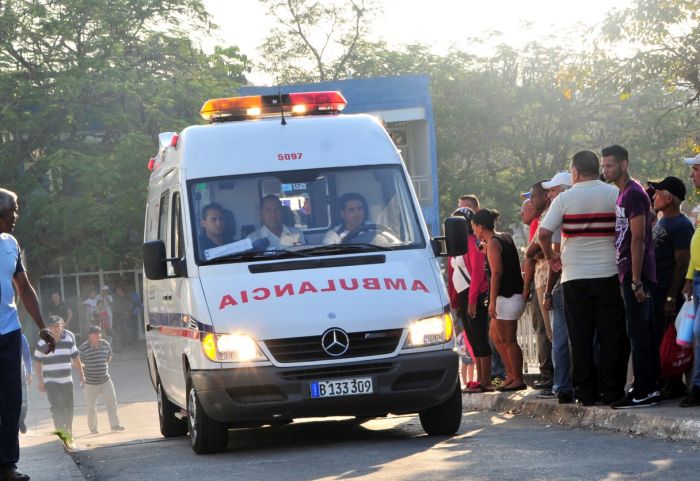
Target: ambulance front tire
x=445, y=418
x=170, y=425
x=206, y=435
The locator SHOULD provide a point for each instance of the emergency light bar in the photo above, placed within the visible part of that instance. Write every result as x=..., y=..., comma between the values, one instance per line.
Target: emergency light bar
x=302, y=103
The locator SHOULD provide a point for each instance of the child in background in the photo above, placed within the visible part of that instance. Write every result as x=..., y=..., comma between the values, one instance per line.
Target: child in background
x=466, y=359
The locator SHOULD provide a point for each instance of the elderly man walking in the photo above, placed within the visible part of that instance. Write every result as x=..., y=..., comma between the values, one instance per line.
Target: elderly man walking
x=12, y=274
x=95, y=355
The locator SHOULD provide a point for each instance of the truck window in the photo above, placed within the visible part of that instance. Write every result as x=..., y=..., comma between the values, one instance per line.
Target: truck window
x=163, y=217
x=176, y=244
x=297, y=210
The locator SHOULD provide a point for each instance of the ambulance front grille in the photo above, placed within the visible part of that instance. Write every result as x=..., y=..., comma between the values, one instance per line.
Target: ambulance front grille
x=305, y=349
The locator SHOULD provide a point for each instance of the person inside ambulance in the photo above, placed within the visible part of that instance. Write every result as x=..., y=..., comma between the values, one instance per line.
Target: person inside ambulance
x=353, y=212
x=214, y=228
x=273, y=229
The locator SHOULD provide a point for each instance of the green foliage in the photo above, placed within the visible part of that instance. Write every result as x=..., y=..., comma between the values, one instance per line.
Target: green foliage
x=665, y=38
x=85, y=88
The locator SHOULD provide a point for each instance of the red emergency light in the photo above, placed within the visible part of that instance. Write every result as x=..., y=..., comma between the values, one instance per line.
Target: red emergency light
x=301, y=103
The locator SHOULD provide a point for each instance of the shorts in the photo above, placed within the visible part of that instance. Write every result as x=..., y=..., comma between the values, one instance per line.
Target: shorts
x=510, y=308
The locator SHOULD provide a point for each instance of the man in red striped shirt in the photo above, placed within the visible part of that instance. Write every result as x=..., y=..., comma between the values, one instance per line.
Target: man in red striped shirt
x=594, y=307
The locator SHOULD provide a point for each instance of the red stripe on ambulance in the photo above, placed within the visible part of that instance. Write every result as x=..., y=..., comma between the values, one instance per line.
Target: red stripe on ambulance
x=331, y=285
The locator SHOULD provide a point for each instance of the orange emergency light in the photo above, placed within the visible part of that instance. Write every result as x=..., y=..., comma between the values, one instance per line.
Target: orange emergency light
x=301, y=103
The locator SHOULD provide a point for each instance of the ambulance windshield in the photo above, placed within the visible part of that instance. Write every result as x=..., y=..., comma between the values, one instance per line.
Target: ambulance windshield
x=303, y=213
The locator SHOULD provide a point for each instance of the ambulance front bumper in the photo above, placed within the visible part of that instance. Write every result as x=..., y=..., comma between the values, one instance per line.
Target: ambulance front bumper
x=405, y=384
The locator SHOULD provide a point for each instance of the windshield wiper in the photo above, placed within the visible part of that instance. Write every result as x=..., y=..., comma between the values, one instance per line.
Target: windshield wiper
x=256, y=254
x=358, y=247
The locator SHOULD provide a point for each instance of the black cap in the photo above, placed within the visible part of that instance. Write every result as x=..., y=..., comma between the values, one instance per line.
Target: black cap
x=94, y=330
x=674, y=185
x=53, y=320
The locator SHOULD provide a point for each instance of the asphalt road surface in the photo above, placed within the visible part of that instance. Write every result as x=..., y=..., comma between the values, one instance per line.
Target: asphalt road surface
x=489, y=446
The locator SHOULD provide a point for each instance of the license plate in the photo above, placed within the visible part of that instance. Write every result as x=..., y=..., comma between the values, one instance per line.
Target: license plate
x=341, y=387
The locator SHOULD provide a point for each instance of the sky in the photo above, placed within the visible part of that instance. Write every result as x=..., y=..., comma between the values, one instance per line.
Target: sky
x=439, y=23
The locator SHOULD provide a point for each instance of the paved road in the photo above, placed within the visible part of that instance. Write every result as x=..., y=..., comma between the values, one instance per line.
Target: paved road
x=488, y=446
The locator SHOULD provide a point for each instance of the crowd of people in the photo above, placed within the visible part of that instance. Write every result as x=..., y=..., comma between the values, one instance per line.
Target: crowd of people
x=607, y=267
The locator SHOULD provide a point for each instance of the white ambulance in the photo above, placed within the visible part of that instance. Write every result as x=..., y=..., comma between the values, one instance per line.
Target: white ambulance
x=290, y=274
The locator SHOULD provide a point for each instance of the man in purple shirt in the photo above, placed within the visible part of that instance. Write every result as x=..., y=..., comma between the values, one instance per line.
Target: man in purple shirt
x=636, y=267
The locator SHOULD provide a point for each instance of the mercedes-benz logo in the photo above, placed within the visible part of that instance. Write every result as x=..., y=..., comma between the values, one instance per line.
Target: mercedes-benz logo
x=335, y=342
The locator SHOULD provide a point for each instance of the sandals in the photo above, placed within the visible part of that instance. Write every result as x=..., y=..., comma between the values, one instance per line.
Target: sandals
x=519, y=387
x=477, y=389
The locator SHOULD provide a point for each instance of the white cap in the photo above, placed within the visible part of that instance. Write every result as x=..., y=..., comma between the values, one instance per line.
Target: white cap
x=693, y=161
x=561, y=178
x=105, y=288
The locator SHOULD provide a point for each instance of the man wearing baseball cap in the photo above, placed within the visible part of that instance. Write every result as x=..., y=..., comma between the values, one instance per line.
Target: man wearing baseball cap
x=671, y=238
x=692, y=288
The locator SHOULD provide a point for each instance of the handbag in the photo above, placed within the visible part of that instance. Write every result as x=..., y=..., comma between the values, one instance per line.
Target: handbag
x=685, y=320
x=675, y=358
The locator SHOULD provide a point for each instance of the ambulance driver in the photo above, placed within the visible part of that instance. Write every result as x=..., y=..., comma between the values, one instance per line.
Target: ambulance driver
x=353, y=211
x=213, y=227
x=278, y=234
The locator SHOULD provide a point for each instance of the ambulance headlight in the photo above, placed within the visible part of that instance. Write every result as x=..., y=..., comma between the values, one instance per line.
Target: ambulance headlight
x=430, y=331
x=231, y=348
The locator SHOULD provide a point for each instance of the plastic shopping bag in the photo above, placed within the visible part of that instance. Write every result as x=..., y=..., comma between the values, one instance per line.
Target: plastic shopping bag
x=685, y=320
x=675, y=359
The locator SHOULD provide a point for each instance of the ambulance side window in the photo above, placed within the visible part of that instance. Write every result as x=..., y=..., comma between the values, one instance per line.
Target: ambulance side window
x=176, y=242
x=163, y=217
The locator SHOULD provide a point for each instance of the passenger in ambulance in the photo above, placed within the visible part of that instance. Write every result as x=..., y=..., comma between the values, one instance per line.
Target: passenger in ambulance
x=353, y=212
x=215, y=231
x=273, y=228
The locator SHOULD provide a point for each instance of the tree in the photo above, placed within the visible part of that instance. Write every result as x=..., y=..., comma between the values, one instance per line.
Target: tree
x=665, y=36
x=315, y=41
x=85, y=88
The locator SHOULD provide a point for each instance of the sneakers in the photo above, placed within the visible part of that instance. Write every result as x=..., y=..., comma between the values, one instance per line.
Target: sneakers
x=691, y=399
x=118, y=428
x=632, y=401
x=542, y=383
x=546, y=394
x=565, y=398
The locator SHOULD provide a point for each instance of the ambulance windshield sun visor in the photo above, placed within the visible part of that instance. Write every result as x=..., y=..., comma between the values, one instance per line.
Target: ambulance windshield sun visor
x=302, y=214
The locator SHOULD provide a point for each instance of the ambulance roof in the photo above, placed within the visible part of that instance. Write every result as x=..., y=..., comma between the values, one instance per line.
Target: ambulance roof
x=265, y=145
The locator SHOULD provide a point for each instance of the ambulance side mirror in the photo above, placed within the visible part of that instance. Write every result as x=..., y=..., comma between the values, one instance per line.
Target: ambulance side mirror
x=155, y=264
x=456, y=233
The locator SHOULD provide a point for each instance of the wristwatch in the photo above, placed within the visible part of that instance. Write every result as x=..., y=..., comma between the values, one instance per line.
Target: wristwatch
x=547, y=295
x=635, y=287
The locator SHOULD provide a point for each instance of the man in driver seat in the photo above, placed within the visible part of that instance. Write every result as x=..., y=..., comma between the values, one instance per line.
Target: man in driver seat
x=353, y=211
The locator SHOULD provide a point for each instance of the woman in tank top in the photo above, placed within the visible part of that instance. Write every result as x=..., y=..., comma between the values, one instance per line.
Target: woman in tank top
x=506, y=304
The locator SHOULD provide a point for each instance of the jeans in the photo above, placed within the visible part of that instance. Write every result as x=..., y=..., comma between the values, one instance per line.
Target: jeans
x=560, y=344
x=696, y=328
x=643, y=334
x=10, y=396
x=61, y=399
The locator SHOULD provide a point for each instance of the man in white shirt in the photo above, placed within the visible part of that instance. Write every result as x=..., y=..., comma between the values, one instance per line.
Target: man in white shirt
x=272, y=229
x=353, y=211
x=594, y=308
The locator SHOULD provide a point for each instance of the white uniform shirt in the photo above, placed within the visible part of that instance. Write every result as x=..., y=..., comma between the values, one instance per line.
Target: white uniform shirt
x=291, y=236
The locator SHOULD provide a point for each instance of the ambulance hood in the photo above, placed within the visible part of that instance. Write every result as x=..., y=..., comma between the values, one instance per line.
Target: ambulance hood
x=306, y=302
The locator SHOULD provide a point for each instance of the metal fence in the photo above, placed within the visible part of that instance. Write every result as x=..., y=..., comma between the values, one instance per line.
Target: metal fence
x=75, y=287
